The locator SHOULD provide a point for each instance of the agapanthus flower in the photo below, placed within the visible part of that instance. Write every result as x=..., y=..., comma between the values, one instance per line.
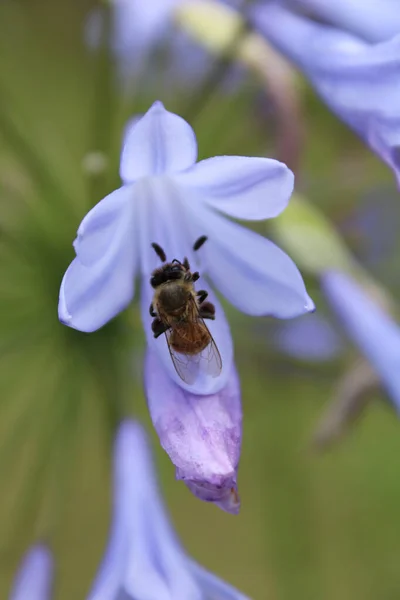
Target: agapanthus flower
x=144, y=559
x=359, y=80
x=169, y=199
x=371, y=328
x=34, y=578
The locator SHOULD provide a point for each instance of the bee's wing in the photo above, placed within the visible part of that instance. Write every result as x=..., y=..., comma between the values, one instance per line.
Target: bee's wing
x=187, y=366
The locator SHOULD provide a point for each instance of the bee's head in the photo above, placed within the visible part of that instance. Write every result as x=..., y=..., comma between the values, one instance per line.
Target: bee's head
x=168, y=272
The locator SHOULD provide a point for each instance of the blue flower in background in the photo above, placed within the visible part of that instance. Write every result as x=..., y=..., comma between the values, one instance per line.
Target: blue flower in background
x=144, y=559
x=358, y=79
x=35, y=576
x=369, y=326
x=311, y=338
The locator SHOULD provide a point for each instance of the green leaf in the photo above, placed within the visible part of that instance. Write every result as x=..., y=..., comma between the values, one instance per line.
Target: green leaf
x=311, y=239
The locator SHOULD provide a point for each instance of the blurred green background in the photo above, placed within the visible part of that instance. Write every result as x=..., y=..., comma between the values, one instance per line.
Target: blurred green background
x=312, y=525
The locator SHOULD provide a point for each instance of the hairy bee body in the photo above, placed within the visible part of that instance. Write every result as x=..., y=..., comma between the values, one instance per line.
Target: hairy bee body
x=178, y=311
x=175, y=303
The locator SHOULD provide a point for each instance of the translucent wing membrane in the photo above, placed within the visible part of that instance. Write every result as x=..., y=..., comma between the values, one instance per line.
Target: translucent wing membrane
x=189, y=365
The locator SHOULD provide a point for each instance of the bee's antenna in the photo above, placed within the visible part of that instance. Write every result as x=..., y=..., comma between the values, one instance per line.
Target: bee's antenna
x=159, y=251
x=198, y=243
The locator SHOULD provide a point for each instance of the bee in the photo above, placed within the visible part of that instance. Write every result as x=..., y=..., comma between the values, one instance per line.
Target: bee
x=178, y=311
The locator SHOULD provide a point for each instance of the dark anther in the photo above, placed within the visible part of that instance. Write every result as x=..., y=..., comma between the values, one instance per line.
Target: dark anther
x=159, y=251
x=198, y=243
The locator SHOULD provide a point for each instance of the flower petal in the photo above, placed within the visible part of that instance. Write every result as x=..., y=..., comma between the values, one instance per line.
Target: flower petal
x=103, y=225
x=213, y=586
x=92, y=295
x=371, y=329
x=358, y=81
x=242, y=187
x=249, y=270
x=35, y=575
x=202, y=435
x=375, y=20
x=159, y=142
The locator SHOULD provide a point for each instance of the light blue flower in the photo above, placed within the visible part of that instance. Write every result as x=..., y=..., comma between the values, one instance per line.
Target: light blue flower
x=311, y=338
x=372, y=330
x=35, y=575
x=169, y=199
x=372, y=20
x=359, y=81
x=144, y=559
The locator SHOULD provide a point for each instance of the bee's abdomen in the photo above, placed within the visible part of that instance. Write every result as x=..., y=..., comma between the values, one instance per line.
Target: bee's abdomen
x=189, y=338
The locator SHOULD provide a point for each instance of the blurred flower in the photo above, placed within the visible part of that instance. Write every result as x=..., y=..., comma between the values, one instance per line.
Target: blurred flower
x=359, y=81
x=34, y=578
x=144, y=559
x=202, y=436
x=369, y=326
x=311, y=338
x=169, y=199
x=374, y=20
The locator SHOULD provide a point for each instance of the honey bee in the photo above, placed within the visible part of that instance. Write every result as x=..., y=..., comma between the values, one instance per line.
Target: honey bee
x=178, y=310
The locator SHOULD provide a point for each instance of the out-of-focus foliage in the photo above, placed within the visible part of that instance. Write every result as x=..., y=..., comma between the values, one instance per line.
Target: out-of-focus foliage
x=311, y=526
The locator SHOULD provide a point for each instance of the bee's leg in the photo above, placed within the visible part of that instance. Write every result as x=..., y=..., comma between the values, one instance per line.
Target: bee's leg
x=201, y=296
x=195, y=276
x=158, y=327
x=186, y=264
x=207, y=311
x=152, y=311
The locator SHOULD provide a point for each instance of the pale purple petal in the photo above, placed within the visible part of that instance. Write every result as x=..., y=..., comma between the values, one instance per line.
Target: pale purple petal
x=105, y=225
x=242, y=187
x=373, y=20
x=90, y=296
x=360, y=82
x=159, y=142
x=310, y=337
x=370, y=327
x=213, y=586
x=201, y=434
x=249, y=270
x=34, y=580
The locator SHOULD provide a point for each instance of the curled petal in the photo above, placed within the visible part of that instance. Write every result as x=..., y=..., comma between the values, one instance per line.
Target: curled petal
x=35, y=575
x=90, y=296
x=374, y=21
x=242, y=187
x=159, y=142
x=201, y=434
x=371, y=329
x=360, y=82
x=254, y=274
